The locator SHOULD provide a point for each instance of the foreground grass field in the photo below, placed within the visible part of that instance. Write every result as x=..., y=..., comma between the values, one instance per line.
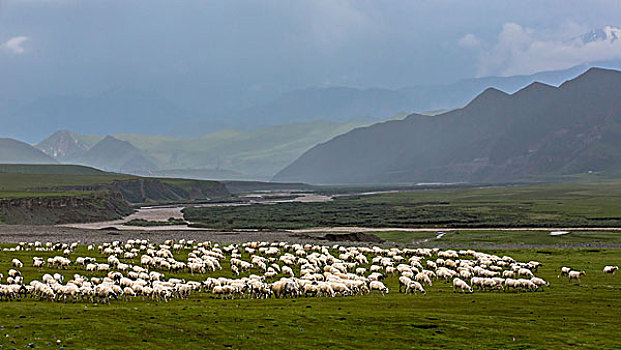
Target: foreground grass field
x=592, y=204
x=581, y=315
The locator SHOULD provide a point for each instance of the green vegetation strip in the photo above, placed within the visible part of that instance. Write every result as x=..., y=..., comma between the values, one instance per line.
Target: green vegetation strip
x=580, y=315
x=507, y=238
x=149, y=223
x=564, y=205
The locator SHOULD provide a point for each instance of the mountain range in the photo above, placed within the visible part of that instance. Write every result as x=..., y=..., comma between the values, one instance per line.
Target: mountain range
x=134, y=111
x=228, y=154
x=538, y=132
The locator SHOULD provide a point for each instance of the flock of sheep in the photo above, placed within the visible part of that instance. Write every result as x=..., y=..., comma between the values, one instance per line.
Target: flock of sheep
x=137, y=268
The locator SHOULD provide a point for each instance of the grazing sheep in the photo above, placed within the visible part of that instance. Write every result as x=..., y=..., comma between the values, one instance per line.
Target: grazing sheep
x=379, y=286
x=403, y=282
x=539, y=282
x=286, y=270
x=310, y=290
x=423, y=278
x=610, y=269
x=508, y=274
x=527, y=284
x=458, y=283
x=17, y=263
x=525, y=273
x=415, y=287
x=575, y=275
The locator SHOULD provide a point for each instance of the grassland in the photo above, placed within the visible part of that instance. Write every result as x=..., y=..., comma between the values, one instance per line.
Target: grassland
x=563, y=316
x=24, y=181
x=593, y=204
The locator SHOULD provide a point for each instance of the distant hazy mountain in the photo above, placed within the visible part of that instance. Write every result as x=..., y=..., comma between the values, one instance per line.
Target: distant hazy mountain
x=332, y=103
x=228, y=154
x=13, y=152
x=343, y=103
x=112, y=154
x=135, y=111
x=539, y=131
x=65, y=145
x=254, y=154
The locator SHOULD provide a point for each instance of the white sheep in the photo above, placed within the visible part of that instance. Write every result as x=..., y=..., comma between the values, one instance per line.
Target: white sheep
x=403, y=282
x=379, y=286
x=415, y=287
x=525, y=273
x=610, y=269
x=575, y=275
x=458, y=283
x=539, y=282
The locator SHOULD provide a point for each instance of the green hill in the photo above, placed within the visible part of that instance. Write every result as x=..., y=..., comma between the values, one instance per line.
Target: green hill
x=50, y=169
x=27, y=181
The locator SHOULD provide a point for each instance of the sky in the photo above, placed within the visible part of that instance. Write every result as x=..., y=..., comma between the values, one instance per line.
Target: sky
x=241, y=52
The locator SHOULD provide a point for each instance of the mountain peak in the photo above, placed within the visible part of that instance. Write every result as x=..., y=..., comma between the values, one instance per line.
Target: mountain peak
x=111, y=141
x=534, y=87
x=595, y=75
x=607, y=33
x=62, y=145
x=487, y=95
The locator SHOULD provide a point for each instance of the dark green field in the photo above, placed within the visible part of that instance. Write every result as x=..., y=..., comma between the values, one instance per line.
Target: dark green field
x=504, y=238
x=595, y=204
x=565, y=315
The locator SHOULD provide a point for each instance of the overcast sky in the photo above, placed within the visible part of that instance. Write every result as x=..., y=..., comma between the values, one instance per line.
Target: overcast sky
x=73, y=46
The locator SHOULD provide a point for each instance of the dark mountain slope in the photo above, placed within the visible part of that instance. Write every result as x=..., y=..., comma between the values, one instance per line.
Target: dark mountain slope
x=536, y=132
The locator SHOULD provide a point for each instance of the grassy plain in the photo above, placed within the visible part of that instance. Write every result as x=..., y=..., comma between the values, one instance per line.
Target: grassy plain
x=504, y=238
x=581, y=204
x=566, y=315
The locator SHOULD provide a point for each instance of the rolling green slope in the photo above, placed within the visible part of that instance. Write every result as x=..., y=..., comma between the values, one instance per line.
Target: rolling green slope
x=50, y=169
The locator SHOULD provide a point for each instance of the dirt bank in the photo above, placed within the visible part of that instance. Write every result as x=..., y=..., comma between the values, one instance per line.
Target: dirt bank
x=98, y=206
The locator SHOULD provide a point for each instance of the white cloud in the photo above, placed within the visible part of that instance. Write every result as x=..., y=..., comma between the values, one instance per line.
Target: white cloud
x=521, y=50
x=14, y=45
x=469, y=41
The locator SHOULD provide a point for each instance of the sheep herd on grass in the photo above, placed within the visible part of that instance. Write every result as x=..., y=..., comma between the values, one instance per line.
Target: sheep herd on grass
x=139, y=269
